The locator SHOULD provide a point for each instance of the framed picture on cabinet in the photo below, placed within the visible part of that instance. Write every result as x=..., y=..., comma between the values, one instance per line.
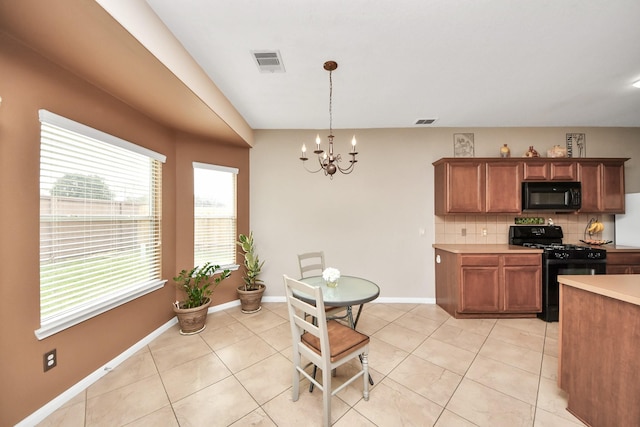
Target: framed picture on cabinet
x=463, y=145
x=576, y=145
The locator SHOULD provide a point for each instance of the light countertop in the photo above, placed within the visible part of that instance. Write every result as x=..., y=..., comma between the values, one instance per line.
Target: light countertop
x=479, y=248
x=623, y=287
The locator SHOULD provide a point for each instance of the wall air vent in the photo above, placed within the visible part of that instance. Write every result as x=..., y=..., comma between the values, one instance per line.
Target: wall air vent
x=268, y=61
x=425, y=121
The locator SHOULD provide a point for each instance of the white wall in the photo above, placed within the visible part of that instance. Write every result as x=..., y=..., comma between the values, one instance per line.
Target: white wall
x=368, y=223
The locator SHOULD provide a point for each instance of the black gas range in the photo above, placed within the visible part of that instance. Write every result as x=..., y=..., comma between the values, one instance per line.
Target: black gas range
x=557, y=259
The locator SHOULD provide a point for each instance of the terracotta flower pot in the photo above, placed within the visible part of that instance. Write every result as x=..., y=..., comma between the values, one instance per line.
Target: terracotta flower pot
x=250, y=301
x=192, y=320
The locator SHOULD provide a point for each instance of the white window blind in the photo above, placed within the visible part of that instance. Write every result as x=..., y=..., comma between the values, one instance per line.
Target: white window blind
x=214, y=191
x=100, y=205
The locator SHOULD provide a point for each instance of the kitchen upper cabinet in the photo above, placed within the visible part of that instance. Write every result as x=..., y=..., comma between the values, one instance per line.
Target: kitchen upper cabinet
x=459, y=187
x=503, y=187
x=545, y=170
x=492, y=185
x=472, y=186
x=602, y=185
x=623, y=262
x=489, y=285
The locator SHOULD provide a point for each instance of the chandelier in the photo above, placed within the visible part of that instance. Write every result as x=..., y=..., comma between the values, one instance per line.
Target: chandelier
x=329, y=162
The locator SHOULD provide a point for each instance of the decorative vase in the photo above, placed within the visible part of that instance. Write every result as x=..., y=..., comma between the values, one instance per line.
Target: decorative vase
x=332, y=284
x=505, y=151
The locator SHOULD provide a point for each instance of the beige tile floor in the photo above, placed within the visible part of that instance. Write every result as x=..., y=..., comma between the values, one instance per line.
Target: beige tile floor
x=429, y=370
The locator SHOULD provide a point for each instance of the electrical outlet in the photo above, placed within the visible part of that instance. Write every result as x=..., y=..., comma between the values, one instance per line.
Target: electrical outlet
x=50, y=360
x=484, y=231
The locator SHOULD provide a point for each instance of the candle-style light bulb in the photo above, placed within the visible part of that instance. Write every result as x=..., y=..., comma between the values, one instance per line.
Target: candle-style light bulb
x=304, y=150
x=353, y=144
x=318, y=141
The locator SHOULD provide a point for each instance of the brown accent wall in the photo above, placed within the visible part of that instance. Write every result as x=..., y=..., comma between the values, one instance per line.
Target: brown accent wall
x=29, y=82
x=189, y=149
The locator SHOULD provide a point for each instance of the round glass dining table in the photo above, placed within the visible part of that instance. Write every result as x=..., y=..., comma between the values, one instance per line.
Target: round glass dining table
x=350, y=291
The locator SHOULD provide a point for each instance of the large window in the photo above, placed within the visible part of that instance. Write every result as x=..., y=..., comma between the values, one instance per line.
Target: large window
x=100, y=243
x=214, y=193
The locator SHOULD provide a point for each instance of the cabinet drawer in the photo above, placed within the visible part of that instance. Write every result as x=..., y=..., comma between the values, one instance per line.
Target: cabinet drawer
x=534, y=260
x=480, y=260
x=623, y=258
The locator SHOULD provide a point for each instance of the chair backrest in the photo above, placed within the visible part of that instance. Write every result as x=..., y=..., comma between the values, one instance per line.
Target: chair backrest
x=311, y=264
x=302, y=315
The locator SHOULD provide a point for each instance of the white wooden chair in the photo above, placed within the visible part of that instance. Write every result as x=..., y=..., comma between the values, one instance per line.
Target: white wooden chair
x=326, y=344
x=311, y=264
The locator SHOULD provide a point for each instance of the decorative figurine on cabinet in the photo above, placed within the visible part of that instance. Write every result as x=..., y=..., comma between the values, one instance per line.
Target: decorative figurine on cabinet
x=532, y=152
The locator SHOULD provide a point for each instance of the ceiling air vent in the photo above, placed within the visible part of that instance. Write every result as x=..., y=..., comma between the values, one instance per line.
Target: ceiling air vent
x=268, y=61
x=425, y=121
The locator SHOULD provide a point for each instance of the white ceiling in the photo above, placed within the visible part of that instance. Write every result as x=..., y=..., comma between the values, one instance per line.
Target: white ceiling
x=468, y=63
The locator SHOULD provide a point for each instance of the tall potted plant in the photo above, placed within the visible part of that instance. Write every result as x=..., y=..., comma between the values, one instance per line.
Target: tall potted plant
x=250, y=293
x=198, y=285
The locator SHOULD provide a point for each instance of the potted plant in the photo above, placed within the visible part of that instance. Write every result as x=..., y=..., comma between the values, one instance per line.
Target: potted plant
x=198, y=285
x=250, y=293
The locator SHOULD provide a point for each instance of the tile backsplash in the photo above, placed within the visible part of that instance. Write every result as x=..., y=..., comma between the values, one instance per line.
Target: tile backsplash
x=495, y=228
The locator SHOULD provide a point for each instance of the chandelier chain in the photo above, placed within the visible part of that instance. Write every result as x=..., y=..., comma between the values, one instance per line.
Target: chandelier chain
x=330, y=103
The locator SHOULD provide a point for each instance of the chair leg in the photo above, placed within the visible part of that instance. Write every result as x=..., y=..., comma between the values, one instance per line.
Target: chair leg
x=296, y=377
x=313, y=375
x=326, y=397
x=365, y=368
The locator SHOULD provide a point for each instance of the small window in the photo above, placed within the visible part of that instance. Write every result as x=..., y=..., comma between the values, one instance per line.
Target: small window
x=214, y=212
x=100, y=205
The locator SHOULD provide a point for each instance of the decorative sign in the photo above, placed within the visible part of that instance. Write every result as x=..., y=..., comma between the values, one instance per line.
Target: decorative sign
x=532, y=220
x=576, y=145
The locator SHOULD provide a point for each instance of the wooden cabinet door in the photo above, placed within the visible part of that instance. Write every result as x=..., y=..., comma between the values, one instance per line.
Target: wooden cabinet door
x=589, y=174
x=602, y=186
x=480, y=290
x=612, y=187
x=563, y=171
x=535, y=170
x=503, y=187
x=465, y=187
x=522, y=275
x=480, y=284
x=523, y=289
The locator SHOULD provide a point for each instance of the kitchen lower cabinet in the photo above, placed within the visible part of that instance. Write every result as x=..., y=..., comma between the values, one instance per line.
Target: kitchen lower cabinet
x=489, y=285
x=480, y=284
x=623, y=262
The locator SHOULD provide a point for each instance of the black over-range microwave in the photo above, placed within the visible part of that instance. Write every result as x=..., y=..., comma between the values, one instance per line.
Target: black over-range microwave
x=555, y=196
